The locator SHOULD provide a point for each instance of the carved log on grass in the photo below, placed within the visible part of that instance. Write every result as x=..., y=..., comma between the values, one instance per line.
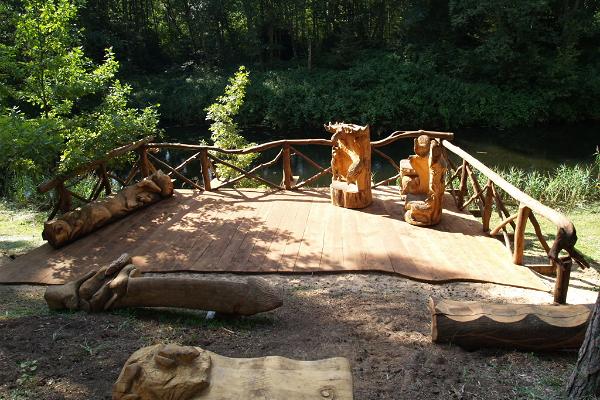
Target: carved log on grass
x=584, y=382
x=81, y=221
x=120, y=285
x=526, y=327
x=191, y=373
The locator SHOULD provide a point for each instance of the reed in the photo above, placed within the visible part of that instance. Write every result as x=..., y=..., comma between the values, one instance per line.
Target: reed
x=567, y=186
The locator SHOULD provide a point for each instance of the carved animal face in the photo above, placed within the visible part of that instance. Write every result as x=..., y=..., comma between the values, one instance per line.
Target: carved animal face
x=164, y=182
x=422, y=144
x=57, y=231
x=163, y=372
x=341, y=127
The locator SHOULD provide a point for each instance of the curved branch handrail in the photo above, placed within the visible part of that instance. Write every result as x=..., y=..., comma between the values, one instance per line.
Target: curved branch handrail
x=566, y=236
x=394, y=136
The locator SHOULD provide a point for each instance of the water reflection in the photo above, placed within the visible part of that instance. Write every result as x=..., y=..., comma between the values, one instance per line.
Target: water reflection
x=542, y=148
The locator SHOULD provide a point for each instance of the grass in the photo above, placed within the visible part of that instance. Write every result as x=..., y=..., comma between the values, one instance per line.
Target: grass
x=20, y=228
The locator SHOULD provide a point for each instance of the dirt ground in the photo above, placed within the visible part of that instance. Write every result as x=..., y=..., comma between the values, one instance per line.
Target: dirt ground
x=379, y=322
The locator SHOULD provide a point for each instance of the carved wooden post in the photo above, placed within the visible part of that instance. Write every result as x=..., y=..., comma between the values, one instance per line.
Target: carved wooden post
x=287, y=167
x=144, y=168
x=520, y=234
x=563, y=274
x=462, y=189
x=205, y=168
x=350, y=165
x=488, y=205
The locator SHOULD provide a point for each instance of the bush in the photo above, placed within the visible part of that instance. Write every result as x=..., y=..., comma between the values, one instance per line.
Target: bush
x=382, y=89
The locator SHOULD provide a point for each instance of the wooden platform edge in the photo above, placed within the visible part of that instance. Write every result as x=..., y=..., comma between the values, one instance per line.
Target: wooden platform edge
x=541, y=288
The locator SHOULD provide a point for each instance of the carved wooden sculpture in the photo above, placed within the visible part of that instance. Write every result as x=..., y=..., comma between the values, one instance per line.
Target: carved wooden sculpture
x=429, y=211
x=81, y=221
x=187, y=373
x=414, y=171
x=121, y=285
x=350, y=165
x=527, y=327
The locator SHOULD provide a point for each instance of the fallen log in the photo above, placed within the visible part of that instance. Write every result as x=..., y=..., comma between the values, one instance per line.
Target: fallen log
x=528, y=327
x=77, y=223
x=120, y=285
x=191, y=373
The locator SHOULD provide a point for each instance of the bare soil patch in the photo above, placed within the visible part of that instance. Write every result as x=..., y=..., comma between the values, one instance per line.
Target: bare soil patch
x=379, y=322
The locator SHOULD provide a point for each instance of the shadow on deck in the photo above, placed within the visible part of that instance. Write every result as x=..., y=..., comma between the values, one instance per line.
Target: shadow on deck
x=258, y=231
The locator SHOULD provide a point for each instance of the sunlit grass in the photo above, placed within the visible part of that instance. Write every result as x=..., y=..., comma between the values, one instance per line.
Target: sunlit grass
x=20, y=228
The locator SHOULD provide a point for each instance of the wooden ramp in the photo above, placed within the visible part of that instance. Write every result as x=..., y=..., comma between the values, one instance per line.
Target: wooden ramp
x=258, y=231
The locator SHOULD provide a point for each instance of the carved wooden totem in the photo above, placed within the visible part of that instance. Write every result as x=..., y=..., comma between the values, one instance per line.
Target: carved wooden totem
x=350, y=165
x=190, y=373
x=120, y=285
x=86, y=219
x=429, y=211
x=414, y=171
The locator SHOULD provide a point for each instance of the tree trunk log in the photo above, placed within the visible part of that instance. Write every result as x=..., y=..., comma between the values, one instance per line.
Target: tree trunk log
x=119, y=285
x=513, y=326
x=191, y=373
x=90, y=217
x=585, y=380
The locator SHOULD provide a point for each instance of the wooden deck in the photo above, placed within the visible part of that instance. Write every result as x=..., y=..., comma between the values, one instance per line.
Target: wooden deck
x=285, y=232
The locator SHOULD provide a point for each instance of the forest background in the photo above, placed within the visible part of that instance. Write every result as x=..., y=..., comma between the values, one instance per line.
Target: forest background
x=79, y=77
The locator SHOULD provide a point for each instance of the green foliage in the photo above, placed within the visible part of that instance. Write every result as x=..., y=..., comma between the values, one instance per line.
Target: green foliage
x=180, y=95
x=440, y=64
x=567, y=186
x=73, y=110
x=224, y=130
x=379, y=88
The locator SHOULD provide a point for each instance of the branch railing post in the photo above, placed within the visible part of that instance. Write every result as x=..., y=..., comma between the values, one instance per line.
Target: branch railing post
x=563, y=275
x=287, y=167
x=65, y=202
x=462, y=189
x=487, y=206
x=519, y=245
x=205, y=163
x=143, y=160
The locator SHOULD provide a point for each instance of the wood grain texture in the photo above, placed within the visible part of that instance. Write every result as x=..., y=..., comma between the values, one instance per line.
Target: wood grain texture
x=187, y=373
x=527, y=327
x=251, y=230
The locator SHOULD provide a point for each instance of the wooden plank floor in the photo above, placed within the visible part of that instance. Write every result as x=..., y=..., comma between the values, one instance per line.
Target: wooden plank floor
x=285, y=232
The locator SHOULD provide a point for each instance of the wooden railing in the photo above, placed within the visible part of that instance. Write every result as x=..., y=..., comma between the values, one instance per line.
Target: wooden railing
x=149, y=160
x=468, y=192
x=209, y=156
x=489, y=195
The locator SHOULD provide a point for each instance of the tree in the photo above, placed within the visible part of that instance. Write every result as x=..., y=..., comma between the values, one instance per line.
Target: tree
x=57, y=99
x=225, y=131
x=585, y=380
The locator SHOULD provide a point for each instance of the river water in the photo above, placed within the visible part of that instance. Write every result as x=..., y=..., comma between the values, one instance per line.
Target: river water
x=540, y=148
